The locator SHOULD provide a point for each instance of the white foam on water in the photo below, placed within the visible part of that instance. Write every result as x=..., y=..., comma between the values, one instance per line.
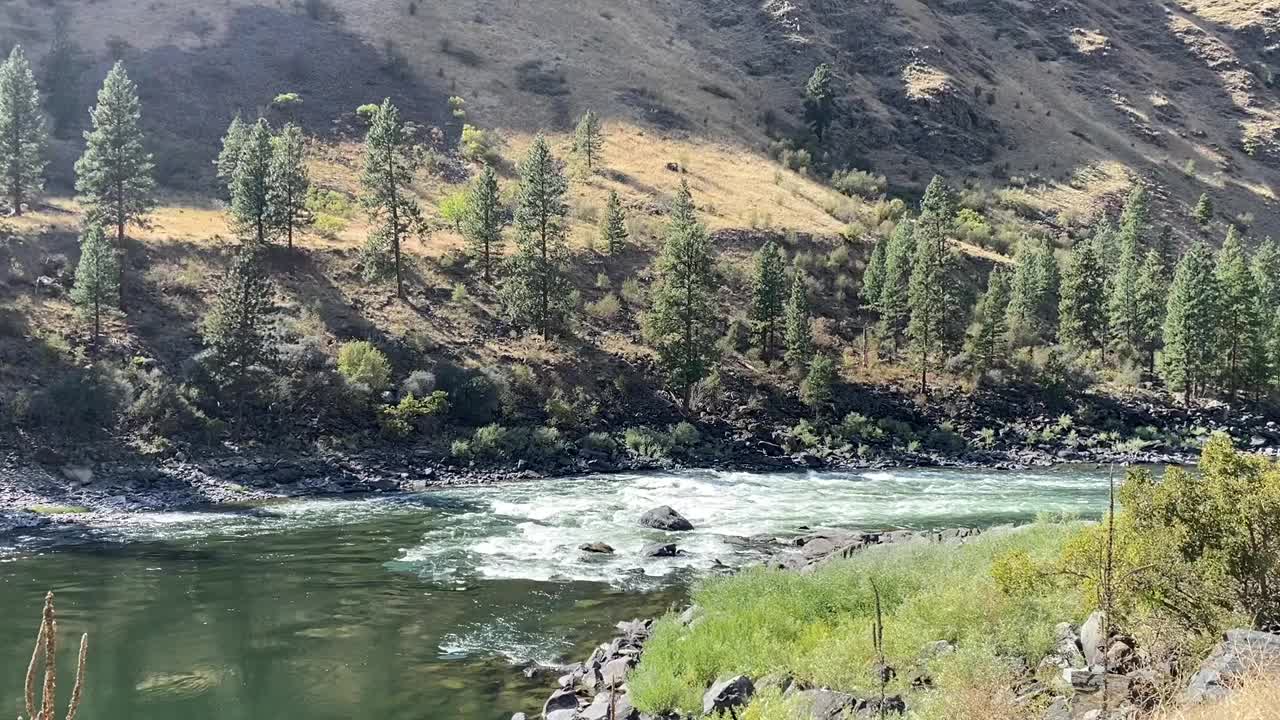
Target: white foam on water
x=533, y=531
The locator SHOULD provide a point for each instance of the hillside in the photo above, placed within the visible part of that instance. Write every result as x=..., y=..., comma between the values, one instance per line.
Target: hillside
x=997, y=91
x=1043, y=117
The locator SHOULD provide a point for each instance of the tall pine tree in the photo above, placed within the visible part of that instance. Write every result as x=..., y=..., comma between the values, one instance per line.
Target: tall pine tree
x=251, y=186
x=933, y=327
x=113, y=176
x=288, y=181
x=1191, y=324
x=895, y=289
x=988, y=336
x=1033, y=301
x=1131, y=243
x=873, y=276
x=799, y=329
x=391, y=159
x=588, y=140
x=97, y=277
x=237, y=328
x=1266, y=277
x=613, y=229
x=22, y=131
x=483, y=223
x=768, y=296
x=819, y=101
x=1152, y=299
x=682, y=319
x=538, y=292
x=229, y=156
x=1082, y=316
x=1241, y=340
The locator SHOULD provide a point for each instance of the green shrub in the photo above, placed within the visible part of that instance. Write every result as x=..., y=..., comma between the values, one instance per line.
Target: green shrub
x=569, y=412
x=477, y=145
x=327, y=226
x=606, y=308
x=490, y=441
x=420, y=383
x=79, y=402
x=321, y=201
x=460, y=449
x=363, y=364
x=806, y=434
x=413, y=415
x=475, y=398
x=163, y=408
x=647, y=443
x=633, y=292
x=600, y=442
x=684, y=436
x=859, y=182
x=944, y=440
x=856, y=427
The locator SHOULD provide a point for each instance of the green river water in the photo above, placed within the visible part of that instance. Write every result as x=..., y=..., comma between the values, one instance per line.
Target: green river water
x=425, y=607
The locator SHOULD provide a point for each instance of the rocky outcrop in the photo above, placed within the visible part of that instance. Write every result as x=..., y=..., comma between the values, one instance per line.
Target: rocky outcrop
x=665, y=518
x=18, y=521
x=1240, y=653
x=811, y=550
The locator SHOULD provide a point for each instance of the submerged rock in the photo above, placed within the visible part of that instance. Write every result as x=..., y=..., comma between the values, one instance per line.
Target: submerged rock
x=597, y=547
x=727, y=693
x=665, y=518
x=660, y=550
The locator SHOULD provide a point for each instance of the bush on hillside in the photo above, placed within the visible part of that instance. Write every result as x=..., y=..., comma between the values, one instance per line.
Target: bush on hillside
x=414, y=415
x=361, y=363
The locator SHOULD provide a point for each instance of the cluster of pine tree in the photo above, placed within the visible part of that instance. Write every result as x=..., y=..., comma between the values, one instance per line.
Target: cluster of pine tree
x=1212, y=325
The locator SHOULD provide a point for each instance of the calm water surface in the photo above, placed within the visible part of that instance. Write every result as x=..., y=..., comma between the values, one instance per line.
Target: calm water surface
x=425, y=607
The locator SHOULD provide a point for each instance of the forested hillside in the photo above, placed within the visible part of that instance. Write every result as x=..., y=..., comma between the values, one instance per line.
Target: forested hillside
x=570, y=232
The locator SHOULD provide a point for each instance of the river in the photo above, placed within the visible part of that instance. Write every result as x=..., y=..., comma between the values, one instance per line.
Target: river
x=424, y=606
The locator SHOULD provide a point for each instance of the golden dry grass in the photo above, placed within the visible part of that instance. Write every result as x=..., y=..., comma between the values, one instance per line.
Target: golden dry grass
x=1257, y=699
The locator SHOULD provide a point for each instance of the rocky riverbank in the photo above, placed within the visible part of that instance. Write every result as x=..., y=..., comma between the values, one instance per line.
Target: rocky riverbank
x=1093, y=671
x=51, y=487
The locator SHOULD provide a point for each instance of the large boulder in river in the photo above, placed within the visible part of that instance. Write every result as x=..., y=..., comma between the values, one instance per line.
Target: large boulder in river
x=597, y=547
x=665, y=518
x=727, y=693
x=1241, y=653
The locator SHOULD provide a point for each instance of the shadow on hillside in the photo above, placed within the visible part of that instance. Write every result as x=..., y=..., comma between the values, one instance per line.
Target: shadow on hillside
x=189, y=95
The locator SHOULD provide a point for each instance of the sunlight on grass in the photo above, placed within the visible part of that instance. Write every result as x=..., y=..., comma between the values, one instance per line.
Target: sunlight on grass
x=817, y=626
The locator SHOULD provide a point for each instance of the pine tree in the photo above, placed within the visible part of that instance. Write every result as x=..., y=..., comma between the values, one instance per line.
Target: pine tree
x=391, y=159
x=22, y=131
x=113, y=176
x=895, y=291
x=816, y=390
x=1241, y=340
x=237, y=328
x=768, y=296
x=229, y=156
x=483, y=223
x=1191, y=324
x=682, y=319
x=819, y=101
x=288, y=181
x=933, y=327
x=1131, y=244
x=873, y=276
x=539, y=291
x=1033, y=294
x=588, y=140
x=613, y=231
x=799, y=330
x=1082, y=315
x=1152, y=300
x=251, y=186
x=1203, y=212
x=1266, y=278
x=989, y=337
x=97, y=277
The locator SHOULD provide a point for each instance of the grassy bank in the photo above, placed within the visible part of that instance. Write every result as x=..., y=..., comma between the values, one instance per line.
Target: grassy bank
x=817, y=627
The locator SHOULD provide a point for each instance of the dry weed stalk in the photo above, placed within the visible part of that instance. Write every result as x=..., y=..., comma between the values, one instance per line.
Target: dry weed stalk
x=47, y=641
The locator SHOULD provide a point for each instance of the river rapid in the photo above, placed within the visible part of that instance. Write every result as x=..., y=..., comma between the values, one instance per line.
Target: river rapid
x=427, y=606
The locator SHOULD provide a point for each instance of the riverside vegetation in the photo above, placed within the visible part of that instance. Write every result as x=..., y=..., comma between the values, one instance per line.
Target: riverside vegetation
x=987, y=628
x=914, y=359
